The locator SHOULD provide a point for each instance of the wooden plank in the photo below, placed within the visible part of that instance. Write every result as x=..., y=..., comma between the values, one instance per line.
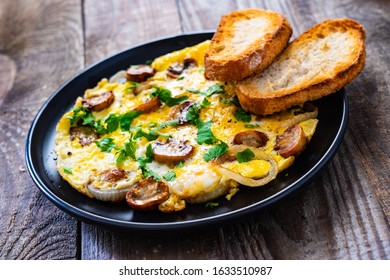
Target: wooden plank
x=343, y=214
x=41, y=47
x=111, y=26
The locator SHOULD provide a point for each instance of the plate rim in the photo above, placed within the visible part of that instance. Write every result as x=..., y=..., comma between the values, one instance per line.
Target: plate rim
x=93, y=218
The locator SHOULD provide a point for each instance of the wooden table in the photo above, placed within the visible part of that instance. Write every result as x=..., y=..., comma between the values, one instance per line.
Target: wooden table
x=343, y=214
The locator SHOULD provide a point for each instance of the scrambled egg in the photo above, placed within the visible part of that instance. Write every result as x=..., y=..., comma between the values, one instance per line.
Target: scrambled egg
x=199, y=178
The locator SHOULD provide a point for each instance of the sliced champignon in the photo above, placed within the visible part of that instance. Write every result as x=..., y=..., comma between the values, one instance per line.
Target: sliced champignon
x=149, y=105
x=147, y=195
x=252, y=138
x=292, y=142
x=85, y=134
x=139, y=73
x=99, y=102
x=180, y=111
x=172, y=151
x=113, y=175
x=176, y=69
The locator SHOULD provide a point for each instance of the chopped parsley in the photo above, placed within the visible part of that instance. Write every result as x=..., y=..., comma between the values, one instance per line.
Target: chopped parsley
x=211, y=204
x=112, y=123
x=170, y=176
x=245, y=156
x=205, y=103
x=164, y=125
x=106, y=144
x=140, y=133
x=132, y=86
x=82, y=114
x=216, y=151
x=127, y=151
x=126, y=119
x=165, y=96
x=251, y=125
x=241, y=115
x=231, y=100
x=146, y=172
x=214, y=89
x=67, y=170
x=205, y=135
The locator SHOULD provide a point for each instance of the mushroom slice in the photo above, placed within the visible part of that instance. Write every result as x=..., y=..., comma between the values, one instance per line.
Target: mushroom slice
x=171, y=151
x=149, y=105
x=180, y=111
x=147, y=195
x=292, y=142
x=113, y=175
x=139, y=73
x=252, y=138
x=85, y=134
x=176, y=69
x=99, y=102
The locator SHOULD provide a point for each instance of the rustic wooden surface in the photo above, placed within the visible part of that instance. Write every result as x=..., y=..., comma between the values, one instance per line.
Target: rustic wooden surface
x=343, y=214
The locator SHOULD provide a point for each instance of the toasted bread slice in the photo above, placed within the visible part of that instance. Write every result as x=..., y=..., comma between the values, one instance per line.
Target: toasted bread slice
x=245, y=43
x=319, y=62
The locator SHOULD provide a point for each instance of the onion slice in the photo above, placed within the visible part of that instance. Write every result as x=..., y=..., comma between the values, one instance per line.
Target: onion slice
x=112, y=195
x=259, y=154
x=119, y=77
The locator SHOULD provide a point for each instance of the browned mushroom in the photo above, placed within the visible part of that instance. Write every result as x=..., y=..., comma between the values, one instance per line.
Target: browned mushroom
x=180, y=111
x=171, y=151
x=252, y=138
x=85, y=134
x=292, y=142
x=99, y=102
x=176, y=69
x=113, y=175
x=149, y=105
x=139, y=73
x=147, y=195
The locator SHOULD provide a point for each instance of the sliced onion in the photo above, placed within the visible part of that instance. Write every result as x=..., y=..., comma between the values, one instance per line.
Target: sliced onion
x=120, y=77
x=112, y=195
x=300, y=118
x=259, y=154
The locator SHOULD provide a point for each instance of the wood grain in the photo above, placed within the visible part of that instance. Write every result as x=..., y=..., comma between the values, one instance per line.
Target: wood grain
x=343, y=214
x=35, y=59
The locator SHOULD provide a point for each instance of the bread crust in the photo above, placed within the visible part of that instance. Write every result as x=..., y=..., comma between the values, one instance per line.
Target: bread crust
x=252, y=59
x=264, y=103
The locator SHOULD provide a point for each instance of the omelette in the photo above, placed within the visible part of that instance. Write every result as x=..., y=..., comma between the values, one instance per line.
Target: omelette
x=162, y=136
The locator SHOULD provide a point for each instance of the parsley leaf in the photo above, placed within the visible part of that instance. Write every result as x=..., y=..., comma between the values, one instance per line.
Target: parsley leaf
x=112, y=123
x=165, y=96
x=193, y=114
x=231, y=100
x=216, y=151
x=132, y=86
x=126, y=119
x=205, y=135
x=164, y=125
x=205, y=103
x=214, y=89
x=140, y=133
x=106, y=144
x=67, y=170
x=245, y=155
x=146, y=172
x=241, y=115
x=83, y=114
x=127, y=151
x=251, y=125
x=170, y=176
x=211, y=204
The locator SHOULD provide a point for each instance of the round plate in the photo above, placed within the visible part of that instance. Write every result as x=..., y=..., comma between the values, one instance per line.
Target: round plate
x=41, y=158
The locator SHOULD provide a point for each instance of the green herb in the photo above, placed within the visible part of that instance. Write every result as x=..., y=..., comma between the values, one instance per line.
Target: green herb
x=127, y=151
x=205, y=135
x=193, y=114
x=214, y=89
x=126, y=119
x=83, y=114
x=245, y=155
x=106, y=144
x=164, y=125
x=211, y=204
x=132, y=86
x=170, y=176
x=231, y=100
x=241, y=115
x=205, y=103
x=112, y=123
x=67, y=170
x=216, y=151
x=180, y=164
x=149, y=62
x=165, y=96
x=251, y=125
x=180, y=78
x=149, y=153
x=146, y=172
x=152, y=124
x=140, y=133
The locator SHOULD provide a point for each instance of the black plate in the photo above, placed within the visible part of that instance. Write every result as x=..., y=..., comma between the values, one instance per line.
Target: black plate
x=40, y=157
